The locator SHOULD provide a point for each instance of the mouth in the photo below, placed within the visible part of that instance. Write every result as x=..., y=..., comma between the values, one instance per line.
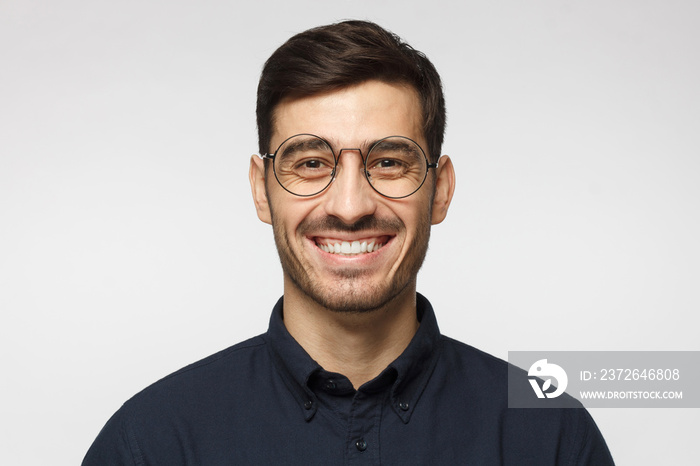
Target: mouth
x=351, y=248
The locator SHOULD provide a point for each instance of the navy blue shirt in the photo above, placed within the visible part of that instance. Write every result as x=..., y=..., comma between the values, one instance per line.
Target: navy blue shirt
x=265, y=401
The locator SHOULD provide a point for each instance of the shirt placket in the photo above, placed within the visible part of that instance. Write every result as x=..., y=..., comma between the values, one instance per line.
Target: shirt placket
x=362, y=444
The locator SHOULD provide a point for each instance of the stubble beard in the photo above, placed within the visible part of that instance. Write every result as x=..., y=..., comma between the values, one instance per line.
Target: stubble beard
x=347, y=291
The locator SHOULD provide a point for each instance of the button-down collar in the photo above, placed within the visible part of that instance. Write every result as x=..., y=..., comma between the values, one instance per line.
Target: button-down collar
x=408, y=374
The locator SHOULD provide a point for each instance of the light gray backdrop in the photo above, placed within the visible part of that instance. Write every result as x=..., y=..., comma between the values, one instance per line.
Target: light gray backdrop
x=129, y=246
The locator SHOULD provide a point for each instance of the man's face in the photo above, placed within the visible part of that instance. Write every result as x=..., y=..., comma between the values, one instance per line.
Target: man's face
x=349, y=212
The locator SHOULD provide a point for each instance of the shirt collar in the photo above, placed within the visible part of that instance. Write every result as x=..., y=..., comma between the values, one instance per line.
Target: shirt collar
x=293, y=362
x=410, y=372
x=415, y=365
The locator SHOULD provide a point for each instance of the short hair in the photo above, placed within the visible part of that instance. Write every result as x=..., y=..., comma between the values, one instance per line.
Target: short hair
x=339, y=55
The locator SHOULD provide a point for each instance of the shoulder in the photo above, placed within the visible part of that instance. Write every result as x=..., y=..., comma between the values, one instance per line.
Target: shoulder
x=158, y=418
x=228, y=358
x=230, y=368
x=471, y=364
x=560, y=435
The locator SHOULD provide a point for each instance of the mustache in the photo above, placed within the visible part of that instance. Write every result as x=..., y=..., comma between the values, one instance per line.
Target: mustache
x=369, y=222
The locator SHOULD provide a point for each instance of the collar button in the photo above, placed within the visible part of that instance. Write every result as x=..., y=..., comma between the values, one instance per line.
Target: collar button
x=330, y=385
x=404, y=406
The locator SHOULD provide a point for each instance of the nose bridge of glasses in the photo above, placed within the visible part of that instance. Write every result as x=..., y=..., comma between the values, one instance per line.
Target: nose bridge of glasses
x=348, y=160
x=350, y=149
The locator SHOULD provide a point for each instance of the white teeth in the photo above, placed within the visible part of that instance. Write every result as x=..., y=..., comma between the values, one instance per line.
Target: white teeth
x=346, y=248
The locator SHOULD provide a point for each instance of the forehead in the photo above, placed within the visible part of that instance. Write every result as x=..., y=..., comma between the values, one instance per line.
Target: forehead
x=352, y=115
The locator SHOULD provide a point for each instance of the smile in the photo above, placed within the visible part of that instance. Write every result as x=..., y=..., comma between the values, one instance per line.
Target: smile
x=350, y=248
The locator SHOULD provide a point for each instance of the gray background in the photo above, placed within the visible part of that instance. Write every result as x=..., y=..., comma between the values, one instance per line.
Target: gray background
x=129, y=245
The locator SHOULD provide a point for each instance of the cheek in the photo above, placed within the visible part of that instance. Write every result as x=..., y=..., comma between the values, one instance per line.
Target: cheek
x=287, y=214
x=415, y=216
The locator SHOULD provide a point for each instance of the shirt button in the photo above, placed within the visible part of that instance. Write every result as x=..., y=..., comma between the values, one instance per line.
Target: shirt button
x=403, y=405
x=330, y=385
x=308, y=404
x=361, y=444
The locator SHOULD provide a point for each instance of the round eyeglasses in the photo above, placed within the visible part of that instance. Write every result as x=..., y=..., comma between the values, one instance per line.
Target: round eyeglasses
x=305, y=165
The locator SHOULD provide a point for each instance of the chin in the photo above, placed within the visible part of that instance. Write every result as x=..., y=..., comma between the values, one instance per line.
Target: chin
x=356, y=297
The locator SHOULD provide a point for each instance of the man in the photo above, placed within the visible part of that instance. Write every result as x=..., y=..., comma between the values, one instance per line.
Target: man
x=353, y=368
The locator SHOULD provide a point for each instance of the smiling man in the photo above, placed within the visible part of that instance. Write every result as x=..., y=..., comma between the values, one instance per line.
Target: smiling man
x=353, y=368
x=350, y=254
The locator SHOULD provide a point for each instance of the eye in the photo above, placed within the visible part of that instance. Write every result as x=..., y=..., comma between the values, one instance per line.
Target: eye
x=386, y=163
x=313, y=164
x=312, y=167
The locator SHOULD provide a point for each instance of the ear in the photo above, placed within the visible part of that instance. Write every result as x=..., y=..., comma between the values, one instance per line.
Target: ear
x=444, y=189
x=257, y=186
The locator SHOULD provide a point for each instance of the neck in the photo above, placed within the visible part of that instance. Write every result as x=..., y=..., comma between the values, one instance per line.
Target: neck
x=358, y=345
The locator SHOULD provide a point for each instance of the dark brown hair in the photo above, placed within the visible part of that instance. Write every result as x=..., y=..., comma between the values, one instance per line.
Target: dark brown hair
x=331, y=57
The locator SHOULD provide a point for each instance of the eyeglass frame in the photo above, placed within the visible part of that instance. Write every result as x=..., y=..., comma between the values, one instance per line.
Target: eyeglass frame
x=428, y=164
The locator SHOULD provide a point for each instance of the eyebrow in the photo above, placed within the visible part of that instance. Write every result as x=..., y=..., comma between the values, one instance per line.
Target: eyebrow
x=400, y=144
x=303, y=143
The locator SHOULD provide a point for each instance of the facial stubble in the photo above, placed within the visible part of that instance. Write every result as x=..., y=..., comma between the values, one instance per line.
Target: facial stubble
x=345, y=290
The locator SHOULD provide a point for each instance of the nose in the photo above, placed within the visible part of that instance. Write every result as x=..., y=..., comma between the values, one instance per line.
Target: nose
x=350, y=197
